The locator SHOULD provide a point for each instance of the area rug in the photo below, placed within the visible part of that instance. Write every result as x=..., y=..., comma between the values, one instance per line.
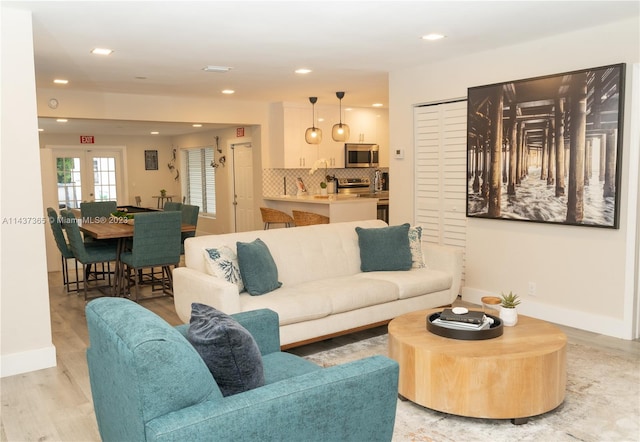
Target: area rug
x=602, y=403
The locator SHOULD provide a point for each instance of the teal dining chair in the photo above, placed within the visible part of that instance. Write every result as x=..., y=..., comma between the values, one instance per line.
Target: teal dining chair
x=189, y=216
x=171, y=206
x=87, y=255
x=65, y=251
x=156, y=243
x=97, y=209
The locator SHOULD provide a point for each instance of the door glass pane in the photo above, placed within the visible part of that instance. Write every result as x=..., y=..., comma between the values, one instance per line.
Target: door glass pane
x=69, y=182
x=104, y=177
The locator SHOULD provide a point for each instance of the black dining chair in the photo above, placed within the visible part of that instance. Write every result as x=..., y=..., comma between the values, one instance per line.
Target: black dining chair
x=156, y=243
x=87, y=255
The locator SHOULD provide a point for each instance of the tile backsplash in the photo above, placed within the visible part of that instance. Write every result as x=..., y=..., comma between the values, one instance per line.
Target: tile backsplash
x=273, y=180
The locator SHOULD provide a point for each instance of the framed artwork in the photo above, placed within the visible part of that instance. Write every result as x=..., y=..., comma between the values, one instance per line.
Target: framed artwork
x=151, y=160
x=547, y=149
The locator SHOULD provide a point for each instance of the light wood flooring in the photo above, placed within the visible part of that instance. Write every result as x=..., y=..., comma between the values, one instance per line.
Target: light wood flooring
x=55, y=404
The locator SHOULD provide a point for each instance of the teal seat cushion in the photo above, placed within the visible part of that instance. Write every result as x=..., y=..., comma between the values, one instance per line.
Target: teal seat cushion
x=227, y=348
x=384, y=248
x=279, y=366
x=257, y=267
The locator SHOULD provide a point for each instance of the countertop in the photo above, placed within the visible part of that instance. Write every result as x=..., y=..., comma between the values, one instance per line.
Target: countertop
x=320, y=199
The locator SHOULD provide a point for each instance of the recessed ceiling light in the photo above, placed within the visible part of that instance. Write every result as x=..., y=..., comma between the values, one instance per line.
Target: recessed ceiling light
x=302, y=71
x=377, y=105
x=216, y=68
x=228, y=91
x=60, y=81
x=154, y=132
x=196, y=125
x=101, y=51
x=432, y=37
x=40, y=129
x=62, y=120
x=320, y=119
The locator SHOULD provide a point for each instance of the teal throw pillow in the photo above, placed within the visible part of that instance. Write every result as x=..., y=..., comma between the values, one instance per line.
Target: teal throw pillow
x=257, y=267
x=228, y=349
x=384, y=248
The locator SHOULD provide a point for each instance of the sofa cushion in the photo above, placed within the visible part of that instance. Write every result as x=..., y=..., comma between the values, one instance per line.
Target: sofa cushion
x=257, y=267
x=416, y=282
x=292, y=303
x=415, y=244
x=384, y=248
x=227, y=348
x=222, y=262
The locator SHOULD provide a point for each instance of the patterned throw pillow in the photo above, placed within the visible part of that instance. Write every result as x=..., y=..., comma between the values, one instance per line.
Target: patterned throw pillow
x=223, y=263
x=415, y=243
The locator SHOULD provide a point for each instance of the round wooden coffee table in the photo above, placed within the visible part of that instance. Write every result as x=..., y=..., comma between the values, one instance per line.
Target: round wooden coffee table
x=514, y=376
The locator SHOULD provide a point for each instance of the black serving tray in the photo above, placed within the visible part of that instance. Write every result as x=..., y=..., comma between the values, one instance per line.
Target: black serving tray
x=494, y=331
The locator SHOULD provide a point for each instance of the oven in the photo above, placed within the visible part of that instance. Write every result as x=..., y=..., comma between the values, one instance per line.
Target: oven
x=362, y=188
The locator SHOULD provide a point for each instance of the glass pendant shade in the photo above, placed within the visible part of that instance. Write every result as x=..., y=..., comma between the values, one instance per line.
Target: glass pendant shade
x=313, y=135
x=340, y=131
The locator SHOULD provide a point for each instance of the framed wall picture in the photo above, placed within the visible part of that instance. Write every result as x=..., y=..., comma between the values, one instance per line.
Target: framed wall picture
x=547, y=149
x=151, y=160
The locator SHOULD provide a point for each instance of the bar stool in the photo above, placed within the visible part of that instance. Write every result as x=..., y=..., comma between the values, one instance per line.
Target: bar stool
x=308, y=218
x=273, y=216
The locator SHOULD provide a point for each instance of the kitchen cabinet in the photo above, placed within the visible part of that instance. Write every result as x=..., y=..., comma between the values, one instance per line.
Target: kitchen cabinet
x=288, y=122
x=370, y=125
x=288, y=149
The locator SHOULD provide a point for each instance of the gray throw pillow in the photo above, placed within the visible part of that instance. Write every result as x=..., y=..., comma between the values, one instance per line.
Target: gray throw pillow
x=384, y=248
x=257, y=267
x=228, y=349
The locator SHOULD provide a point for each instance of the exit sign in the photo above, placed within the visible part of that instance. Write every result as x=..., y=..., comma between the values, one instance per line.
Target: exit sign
x=86, y=139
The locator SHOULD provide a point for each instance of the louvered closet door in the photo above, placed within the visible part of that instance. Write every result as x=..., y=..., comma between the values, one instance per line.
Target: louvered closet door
x=440, y=171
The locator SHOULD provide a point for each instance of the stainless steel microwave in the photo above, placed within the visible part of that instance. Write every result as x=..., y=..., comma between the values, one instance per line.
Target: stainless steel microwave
x=361, y=155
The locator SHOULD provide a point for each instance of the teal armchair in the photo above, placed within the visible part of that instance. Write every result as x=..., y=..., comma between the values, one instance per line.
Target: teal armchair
x=149, y=384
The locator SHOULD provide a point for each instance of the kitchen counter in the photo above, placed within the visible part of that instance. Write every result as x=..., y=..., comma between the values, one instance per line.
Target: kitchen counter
x=339, y=208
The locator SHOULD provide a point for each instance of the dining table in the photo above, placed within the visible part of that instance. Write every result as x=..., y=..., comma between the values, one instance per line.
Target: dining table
x=120, y=230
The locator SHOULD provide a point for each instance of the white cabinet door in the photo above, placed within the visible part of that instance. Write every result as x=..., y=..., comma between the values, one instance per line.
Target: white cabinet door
x=288, y=148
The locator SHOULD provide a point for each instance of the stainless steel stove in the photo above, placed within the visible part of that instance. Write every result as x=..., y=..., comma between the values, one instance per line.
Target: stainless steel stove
x=347, y=186
x=362, y=188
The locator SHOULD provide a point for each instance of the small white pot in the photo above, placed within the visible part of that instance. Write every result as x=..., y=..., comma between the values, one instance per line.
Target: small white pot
x=509, y=316
x=323, y=191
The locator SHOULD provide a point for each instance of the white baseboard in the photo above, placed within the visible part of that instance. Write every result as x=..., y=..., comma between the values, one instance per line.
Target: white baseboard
x=26, y=361
x=604, y=325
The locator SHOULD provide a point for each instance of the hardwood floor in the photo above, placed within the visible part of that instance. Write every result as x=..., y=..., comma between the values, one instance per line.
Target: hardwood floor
x=55, y=404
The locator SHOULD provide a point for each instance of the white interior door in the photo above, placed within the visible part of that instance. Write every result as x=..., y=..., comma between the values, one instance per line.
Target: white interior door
x=243, y=195
x=88, y=175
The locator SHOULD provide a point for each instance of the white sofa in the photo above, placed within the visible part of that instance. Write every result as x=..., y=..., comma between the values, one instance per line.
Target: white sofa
x=324, y=292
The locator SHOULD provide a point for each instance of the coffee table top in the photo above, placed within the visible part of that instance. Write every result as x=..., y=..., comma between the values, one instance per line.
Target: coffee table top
x=529, y=336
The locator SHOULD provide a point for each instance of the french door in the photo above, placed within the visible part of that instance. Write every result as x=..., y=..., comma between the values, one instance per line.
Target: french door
x=88, y=175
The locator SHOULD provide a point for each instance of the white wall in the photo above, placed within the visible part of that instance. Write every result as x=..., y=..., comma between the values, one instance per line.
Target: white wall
x=585, y=276
x=26, y=328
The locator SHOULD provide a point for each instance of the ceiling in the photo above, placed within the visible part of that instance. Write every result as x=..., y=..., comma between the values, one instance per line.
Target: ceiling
x=161, y=47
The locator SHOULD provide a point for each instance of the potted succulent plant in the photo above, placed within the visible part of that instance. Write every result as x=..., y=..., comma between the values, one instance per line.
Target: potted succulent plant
x=163, y=193
x=508, y=311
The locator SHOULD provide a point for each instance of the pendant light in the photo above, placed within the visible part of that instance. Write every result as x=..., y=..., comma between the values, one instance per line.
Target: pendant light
x=340, y=132
x=313, y=135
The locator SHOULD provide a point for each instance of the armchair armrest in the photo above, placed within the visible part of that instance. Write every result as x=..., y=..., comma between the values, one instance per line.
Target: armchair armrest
x=263, y=325
x=350, y=402
x=191, y=286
